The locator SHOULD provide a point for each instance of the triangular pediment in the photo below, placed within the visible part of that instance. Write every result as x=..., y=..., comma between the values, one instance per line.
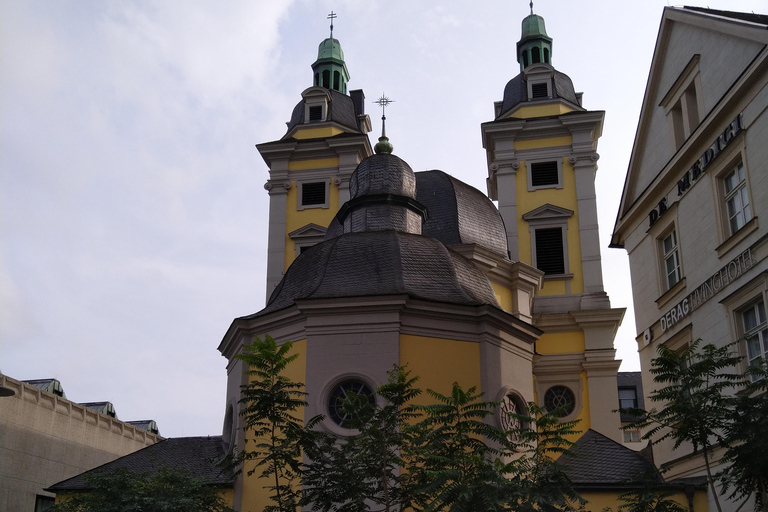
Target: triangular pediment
x=309, y=231
x=546, y=212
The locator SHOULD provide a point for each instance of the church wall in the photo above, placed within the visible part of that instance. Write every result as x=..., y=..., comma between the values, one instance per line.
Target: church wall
x=561, y=342
x=598, y=501
x=554, y=109
x=316, y=133
x=253, y=496
x=440, y=362
x=564, y=197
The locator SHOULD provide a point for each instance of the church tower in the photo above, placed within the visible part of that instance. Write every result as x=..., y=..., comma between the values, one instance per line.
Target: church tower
x=310, y=166
x=542, y=159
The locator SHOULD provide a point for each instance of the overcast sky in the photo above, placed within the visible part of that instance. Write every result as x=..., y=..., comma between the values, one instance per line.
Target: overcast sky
x=132, y=209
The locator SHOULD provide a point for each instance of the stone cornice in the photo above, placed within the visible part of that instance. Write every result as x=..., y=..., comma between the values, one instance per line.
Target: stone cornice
x=386, y=313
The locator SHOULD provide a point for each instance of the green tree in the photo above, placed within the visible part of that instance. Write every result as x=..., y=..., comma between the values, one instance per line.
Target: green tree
x=539, y=483
x=272, y=405
x=167, y=490
x=707, y=403
x=746, y=472
x=363, y=472
x=445, y=456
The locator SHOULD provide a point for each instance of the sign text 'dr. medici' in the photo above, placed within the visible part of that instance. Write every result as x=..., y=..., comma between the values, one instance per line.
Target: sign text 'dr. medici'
x=700, y=165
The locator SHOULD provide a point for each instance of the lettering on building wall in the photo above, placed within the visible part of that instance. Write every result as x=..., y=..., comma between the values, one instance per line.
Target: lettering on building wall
x=699, y=166
x=708, y=289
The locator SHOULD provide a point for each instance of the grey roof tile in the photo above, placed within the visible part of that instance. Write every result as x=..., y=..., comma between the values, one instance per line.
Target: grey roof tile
x=599, y=461
x=197, y=455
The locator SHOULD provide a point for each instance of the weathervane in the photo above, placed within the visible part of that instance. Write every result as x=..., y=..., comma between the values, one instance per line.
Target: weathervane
x=331, y=17
x=383, y=146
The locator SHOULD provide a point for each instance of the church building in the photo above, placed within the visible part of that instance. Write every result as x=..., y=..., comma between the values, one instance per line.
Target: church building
x=371, y=264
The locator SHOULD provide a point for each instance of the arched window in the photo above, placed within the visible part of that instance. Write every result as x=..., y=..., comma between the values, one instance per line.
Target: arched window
x=535, y=54
x=327, y=79
x=336, y=80
x=546, y=55
x=525, y=59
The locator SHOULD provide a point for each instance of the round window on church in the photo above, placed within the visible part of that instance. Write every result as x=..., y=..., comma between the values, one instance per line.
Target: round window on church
x=559, y=399
x=511, y=408
x=340, y=394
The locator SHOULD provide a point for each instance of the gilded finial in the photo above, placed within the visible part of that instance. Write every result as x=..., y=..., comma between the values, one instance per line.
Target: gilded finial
x=331, y=17
x=383, y=146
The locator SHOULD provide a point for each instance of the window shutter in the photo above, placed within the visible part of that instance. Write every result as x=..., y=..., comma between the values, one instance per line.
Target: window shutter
x=316, y=113
x=544, y=173
x=312, y=193
x=539, y=90
x=549, y=251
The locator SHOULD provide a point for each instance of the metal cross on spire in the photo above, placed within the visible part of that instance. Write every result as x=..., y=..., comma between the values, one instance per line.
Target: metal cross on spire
x=331, y=17
x=383, y=102
x=383, y=146
x=531, y=4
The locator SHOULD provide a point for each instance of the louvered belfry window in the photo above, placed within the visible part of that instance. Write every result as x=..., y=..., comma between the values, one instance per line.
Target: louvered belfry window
x=312, y=193
x=316, y=113
x=549, y=251
x=539, y=90
x=544, y=173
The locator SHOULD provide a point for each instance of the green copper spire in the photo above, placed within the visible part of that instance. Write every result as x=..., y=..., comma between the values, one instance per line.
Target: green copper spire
x=329, y=69
x=535, y=45
x=383, y=146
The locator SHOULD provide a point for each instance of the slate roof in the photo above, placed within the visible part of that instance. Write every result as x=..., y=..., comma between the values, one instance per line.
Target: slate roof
x=459, y=213
x=744, y=16
x=516, y=91
x=341, y=110
x=599, y=462
x=382, y=263
x=197, y=455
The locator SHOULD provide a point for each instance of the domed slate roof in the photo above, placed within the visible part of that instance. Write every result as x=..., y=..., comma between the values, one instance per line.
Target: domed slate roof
x=459, y=213
x=341, y=110
x=382, y=263
x=516, y=91
x=383, y=174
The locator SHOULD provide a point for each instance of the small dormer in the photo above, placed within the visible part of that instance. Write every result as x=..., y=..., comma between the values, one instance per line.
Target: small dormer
x=316, y=101
x=538, y=79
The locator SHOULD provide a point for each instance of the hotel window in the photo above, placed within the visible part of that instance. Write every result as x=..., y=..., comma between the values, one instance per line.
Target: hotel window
x=755, y=332
x=631, y=436
x=627, y=398
x=670, y=259
x=736, y=198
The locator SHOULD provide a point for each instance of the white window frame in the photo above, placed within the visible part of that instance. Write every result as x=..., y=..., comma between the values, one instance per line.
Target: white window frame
x=740, y=193
x=670, y=254
x=739, y=302
x=529, y=170
x=300, y=193
x=313, y=97
x=546, y=217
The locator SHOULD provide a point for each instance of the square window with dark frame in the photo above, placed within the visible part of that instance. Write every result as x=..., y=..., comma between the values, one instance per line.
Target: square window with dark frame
x=313, y=193
x=671, y=259
x=736, y=198
x=550, y=257
x=627, y=398
x=544, y=174
x=755, y=332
